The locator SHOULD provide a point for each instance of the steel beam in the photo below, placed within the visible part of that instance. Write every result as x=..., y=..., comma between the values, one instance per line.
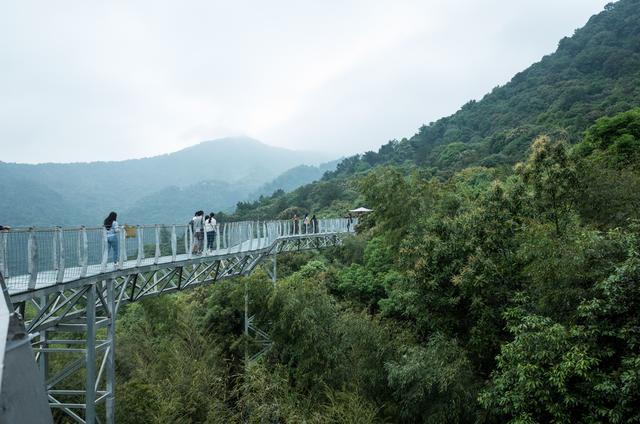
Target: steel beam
x=90, y=357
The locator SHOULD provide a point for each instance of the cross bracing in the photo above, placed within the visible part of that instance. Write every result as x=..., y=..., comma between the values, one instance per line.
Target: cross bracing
x=70, y=302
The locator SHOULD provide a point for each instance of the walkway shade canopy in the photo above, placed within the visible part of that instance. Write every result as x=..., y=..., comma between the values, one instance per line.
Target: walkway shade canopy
x=361, y=210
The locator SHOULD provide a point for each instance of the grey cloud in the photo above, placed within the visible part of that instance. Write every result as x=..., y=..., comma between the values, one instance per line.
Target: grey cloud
x=114, y=80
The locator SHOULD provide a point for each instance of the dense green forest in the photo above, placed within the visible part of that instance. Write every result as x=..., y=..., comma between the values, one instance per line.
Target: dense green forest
x=497, y=280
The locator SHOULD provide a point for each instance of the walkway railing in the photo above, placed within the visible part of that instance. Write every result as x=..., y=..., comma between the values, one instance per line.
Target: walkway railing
x=31, y=258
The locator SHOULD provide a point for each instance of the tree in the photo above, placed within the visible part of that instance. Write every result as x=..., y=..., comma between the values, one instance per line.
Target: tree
x=551, y=175
x=585, y=371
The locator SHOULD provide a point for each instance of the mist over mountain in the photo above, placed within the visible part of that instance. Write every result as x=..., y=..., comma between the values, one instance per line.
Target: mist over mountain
x=291, y=178
x=176, y=204
x=82, y=193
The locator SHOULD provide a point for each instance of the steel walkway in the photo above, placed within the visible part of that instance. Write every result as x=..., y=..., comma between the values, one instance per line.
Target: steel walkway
x=68, y=292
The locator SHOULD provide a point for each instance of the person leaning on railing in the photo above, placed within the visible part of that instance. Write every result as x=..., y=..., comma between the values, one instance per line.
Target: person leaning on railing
x=111, y=225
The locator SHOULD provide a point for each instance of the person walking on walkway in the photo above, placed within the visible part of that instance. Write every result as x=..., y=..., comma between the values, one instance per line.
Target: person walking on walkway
x=314, y=223
x=197, y=229
x=111, y=225
x=305, y=222
x=296, y=222
x=210, y=227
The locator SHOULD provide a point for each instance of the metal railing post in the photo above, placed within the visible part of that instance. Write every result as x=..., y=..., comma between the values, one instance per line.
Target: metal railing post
x=258, y=235
x=244, y=230
x=122, y=247
x=238, y=241
x=157, y=253
x=140, y=234
x=226, y=235
x=236, y=235
x=3, y=253
x=174, y=243
x=265, y=235
x=60, y=264
x=205, y=240
x=188, y=241
x=84, y=258
x=105, y=250
x=54, y=251
x=32, y=246
x=217, y=235
x=241, y=231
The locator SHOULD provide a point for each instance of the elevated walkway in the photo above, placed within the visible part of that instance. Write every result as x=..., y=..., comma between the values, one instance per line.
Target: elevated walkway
x=63, y=280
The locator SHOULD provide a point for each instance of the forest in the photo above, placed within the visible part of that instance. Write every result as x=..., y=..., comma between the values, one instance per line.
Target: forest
x=482, y=298
x=497, y=279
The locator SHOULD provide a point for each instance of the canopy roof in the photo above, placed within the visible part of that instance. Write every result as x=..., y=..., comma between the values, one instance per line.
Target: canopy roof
x=361, y=209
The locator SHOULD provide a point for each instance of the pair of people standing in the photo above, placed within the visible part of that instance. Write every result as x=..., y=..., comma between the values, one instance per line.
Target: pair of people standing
x=199, y=224
x=310, y=224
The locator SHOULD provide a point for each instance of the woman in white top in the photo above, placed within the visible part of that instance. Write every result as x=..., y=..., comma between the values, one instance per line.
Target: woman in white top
x=112, y=228
x=210, y=227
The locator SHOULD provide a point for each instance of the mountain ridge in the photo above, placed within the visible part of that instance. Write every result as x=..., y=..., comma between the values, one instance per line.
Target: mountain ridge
x=592, y=74
x=92, y=189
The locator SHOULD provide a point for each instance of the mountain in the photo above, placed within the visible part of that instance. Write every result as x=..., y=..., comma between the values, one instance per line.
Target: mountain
x=295, y=177
x=216, y=196
x=592, y=74
x=178, y=204
x=82, y=193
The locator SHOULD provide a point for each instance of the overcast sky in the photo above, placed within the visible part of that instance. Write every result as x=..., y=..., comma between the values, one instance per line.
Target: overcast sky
x=89, y=80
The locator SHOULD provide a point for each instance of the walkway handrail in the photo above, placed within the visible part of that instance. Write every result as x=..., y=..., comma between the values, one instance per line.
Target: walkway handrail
x=33, y=257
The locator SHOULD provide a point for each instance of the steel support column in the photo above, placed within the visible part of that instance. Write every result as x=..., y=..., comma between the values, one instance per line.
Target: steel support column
x=246, y=323
x=111, y=357
x=274, y=275
x=43, y=358
x=90, y=357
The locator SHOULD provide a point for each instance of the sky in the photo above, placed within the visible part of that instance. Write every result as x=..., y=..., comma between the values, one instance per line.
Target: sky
x=89, y=80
